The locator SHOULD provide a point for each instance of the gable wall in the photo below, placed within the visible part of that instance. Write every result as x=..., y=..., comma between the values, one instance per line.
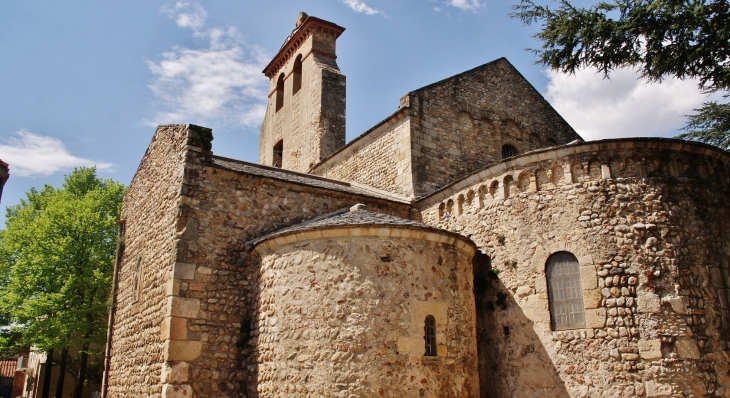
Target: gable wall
x=460, y=124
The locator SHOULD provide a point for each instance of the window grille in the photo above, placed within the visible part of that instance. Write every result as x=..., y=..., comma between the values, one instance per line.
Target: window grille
x=508, y=151
x=565, y=292
x=429, y=330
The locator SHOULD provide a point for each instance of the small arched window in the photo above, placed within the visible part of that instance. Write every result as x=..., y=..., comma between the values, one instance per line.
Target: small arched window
x=508, y=151
x=429, y=335
x=564, y=292
x=297, y=75
x=280, y=92
x=278, y=157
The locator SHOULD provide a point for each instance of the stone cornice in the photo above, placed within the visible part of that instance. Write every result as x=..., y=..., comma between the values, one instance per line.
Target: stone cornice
x=298, y=37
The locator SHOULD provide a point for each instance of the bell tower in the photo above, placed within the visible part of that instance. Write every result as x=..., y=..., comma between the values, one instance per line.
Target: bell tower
x=305, y=115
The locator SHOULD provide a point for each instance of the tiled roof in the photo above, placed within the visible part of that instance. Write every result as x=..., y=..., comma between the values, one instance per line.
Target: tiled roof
x=353, y=217
x=7, y=367
x=299, y=178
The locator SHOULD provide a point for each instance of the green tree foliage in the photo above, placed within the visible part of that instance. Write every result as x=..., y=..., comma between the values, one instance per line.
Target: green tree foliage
x=56, y=263
x=659, y=38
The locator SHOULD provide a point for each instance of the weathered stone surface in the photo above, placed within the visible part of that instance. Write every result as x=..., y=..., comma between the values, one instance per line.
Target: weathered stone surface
x=177, y=391
x=176, y=373
x=647, y=302
x=183, y=307
x=596, y=318
x=687, y=349
x=650, y=349
x=181, y=350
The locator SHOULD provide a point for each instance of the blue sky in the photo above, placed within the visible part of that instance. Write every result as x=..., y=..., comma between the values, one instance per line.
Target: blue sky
x=84, y=83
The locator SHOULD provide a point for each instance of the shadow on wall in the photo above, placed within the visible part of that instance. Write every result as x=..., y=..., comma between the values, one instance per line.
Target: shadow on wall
x=512, y=360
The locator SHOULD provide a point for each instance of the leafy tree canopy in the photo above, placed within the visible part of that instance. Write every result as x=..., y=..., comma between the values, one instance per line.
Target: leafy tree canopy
x=659, y=38
x=56, y=262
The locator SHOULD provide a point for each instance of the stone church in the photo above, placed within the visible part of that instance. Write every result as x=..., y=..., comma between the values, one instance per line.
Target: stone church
x=469, y=245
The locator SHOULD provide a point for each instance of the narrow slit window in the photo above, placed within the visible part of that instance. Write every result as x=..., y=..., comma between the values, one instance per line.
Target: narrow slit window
x=564, y=292
x=137, y=280
x=297, y=75
x=280, y=92
x=429, y=330
x=278, y=154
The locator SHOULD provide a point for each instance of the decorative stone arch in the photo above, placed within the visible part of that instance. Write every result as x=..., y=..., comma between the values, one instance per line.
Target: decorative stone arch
x=442, y=209
x=494, y=190
x=460, y=205
x=557, y=175
x=470, y=198
x=594, y=169
x=450, y=206
x=509, y=186
x=542, y=179
x=481, y=195
x=576, y=172
x=523, y=181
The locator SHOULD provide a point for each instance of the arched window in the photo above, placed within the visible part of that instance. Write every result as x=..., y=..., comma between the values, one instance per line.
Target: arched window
x=508, y=151
x=278, y=154
x=280, y=92
x=564, y=292
x=429, y=335
x=297, y=75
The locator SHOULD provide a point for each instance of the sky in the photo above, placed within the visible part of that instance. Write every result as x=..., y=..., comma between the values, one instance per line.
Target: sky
x=85, y=83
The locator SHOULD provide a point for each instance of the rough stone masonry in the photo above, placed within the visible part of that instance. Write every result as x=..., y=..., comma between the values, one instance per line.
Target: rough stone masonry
x=421, y=258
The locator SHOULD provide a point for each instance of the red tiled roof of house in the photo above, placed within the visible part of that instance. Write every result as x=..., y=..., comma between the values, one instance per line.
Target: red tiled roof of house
x=7, y=367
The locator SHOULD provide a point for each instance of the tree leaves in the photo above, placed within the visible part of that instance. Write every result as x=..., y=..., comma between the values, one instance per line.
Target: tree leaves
x=56, y=260
x=660, y=38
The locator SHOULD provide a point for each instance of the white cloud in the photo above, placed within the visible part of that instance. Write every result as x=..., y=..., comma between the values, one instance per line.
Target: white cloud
x=360, y=6
x=469, y=5
x=624, y=106
x=33, y=155
x=187, y=15
x=218, y=85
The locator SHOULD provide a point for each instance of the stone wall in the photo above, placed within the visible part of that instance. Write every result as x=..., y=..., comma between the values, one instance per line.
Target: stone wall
x=380, y=158
x=227, y=209
x=150, y=209
x=460, y=124
x=646, y=220
x=341, y=313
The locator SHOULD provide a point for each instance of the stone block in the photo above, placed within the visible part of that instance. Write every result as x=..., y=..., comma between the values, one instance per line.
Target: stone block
x=184, y=271
x=177, y=391
x=183, y=307
x=181, y=350
x=596, y=318
x=657, y=390
x=174, y=329
x=650, y=349
x=687, y=349
x=588, y=277
x=679, y=304
x=647, y=302
x=592, y=298
x=176, y=373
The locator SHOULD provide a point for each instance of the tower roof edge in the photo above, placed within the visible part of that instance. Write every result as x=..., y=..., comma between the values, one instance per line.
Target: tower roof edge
x=301, y=33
